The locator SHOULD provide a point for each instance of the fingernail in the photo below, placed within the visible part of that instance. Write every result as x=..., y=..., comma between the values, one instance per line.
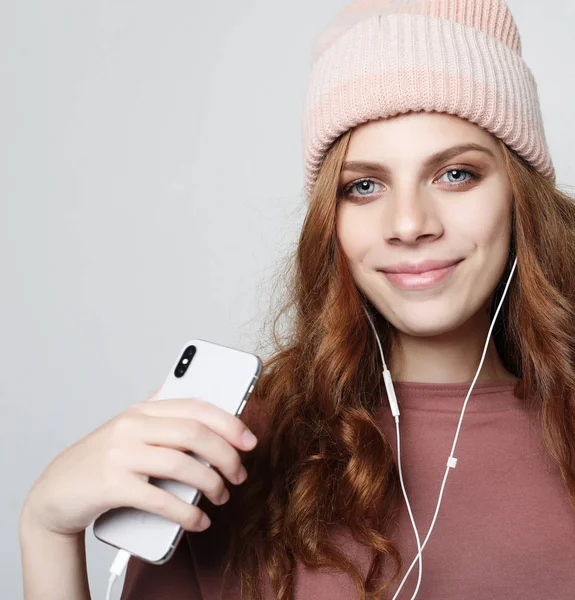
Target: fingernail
x=249, y=440
x=204, y=522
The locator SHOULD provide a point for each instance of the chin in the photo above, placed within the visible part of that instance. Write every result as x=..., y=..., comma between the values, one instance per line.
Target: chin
x=427, y=324
x=425, y=331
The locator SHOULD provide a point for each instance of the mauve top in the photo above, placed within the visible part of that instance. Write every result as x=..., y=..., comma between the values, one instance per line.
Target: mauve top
x=505, y=527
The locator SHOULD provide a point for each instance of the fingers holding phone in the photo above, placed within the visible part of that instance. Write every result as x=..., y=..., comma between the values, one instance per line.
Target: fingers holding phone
x=216, y=382
x=104, y=470
x=164, y=432
x=140, y=475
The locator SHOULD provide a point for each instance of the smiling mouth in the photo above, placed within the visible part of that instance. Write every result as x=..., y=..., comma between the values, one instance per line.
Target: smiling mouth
x=420, y=281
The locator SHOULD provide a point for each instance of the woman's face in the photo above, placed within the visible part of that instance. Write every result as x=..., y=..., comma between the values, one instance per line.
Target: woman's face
x=415, y=208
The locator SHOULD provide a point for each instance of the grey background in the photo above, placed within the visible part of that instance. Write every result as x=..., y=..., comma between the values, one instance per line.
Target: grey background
x=151, y=185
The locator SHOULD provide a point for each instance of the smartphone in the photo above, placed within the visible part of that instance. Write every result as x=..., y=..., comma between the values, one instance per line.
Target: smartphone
x=207, y=371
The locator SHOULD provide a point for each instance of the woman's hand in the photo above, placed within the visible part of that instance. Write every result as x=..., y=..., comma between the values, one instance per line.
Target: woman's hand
x=109, y=467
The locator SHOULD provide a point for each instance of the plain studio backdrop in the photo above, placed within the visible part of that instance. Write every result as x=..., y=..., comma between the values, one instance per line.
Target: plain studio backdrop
x=151, y=185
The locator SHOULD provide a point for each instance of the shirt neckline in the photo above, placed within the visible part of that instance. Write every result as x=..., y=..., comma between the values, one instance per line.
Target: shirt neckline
x=486, y=396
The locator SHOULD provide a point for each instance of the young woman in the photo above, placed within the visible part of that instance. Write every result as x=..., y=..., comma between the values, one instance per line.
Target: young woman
x=425, y=152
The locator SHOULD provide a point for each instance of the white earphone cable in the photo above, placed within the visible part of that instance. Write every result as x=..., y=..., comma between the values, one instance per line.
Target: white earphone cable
x=451, y=461
x=395, y=412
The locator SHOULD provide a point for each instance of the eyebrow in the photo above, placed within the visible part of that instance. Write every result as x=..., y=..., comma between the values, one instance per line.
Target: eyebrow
x=433, y=161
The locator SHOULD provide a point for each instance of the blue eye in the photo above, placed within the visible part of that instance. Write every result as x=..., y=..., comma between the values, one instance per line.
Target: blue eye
x=458, y=180
x=361, y=184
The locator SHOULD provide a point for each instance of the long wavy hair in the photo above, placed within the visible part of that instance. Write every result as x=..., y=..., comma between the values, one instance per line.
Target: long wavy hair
x=322, y=460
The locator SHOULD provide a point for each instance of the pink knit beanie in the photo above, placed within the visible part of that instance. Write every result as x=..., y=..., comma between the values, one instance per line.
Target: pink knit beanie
x=380, y=58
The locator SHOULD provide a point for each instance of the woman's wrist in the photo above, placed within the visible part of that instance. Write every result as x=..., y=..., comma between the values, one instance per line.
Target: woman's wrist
x=53, y=564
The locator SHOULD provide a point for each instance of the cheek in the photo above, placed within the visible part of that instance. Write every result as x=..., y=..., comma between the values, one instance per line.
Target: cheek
x=486, y=225
x=353, y=233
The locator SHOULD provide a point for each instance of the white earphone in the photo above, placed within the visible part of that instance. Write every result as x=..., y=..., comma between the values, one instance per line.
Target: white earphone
x=451, y=461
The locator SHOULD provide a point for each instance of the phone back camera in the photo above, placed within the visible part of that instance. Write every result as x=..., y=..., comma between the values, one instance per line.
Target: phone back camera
x=185, y=361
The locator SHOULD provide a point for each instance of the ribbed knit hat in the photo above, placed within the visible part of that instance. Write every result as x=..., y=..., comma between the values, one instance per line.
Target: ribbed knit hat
x=380, y=58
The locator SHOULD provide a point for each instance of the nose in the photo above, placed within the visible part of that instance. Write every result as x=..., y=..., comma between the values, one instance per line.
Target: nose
x=411, y=216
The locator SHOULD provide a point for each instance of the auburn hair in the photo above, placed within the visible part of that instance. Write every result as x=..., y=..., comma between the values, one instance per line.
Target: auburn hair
x=322, y=460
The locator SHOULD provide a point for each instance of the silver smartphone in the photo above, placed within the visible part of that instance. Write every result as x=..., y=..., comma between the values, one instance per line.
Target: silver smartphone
x=213, y=373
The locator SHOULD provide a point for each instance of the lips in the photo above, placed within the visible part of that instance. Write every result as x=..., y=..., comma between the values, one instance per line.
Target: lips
x=422, y=280
x=417, y=269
